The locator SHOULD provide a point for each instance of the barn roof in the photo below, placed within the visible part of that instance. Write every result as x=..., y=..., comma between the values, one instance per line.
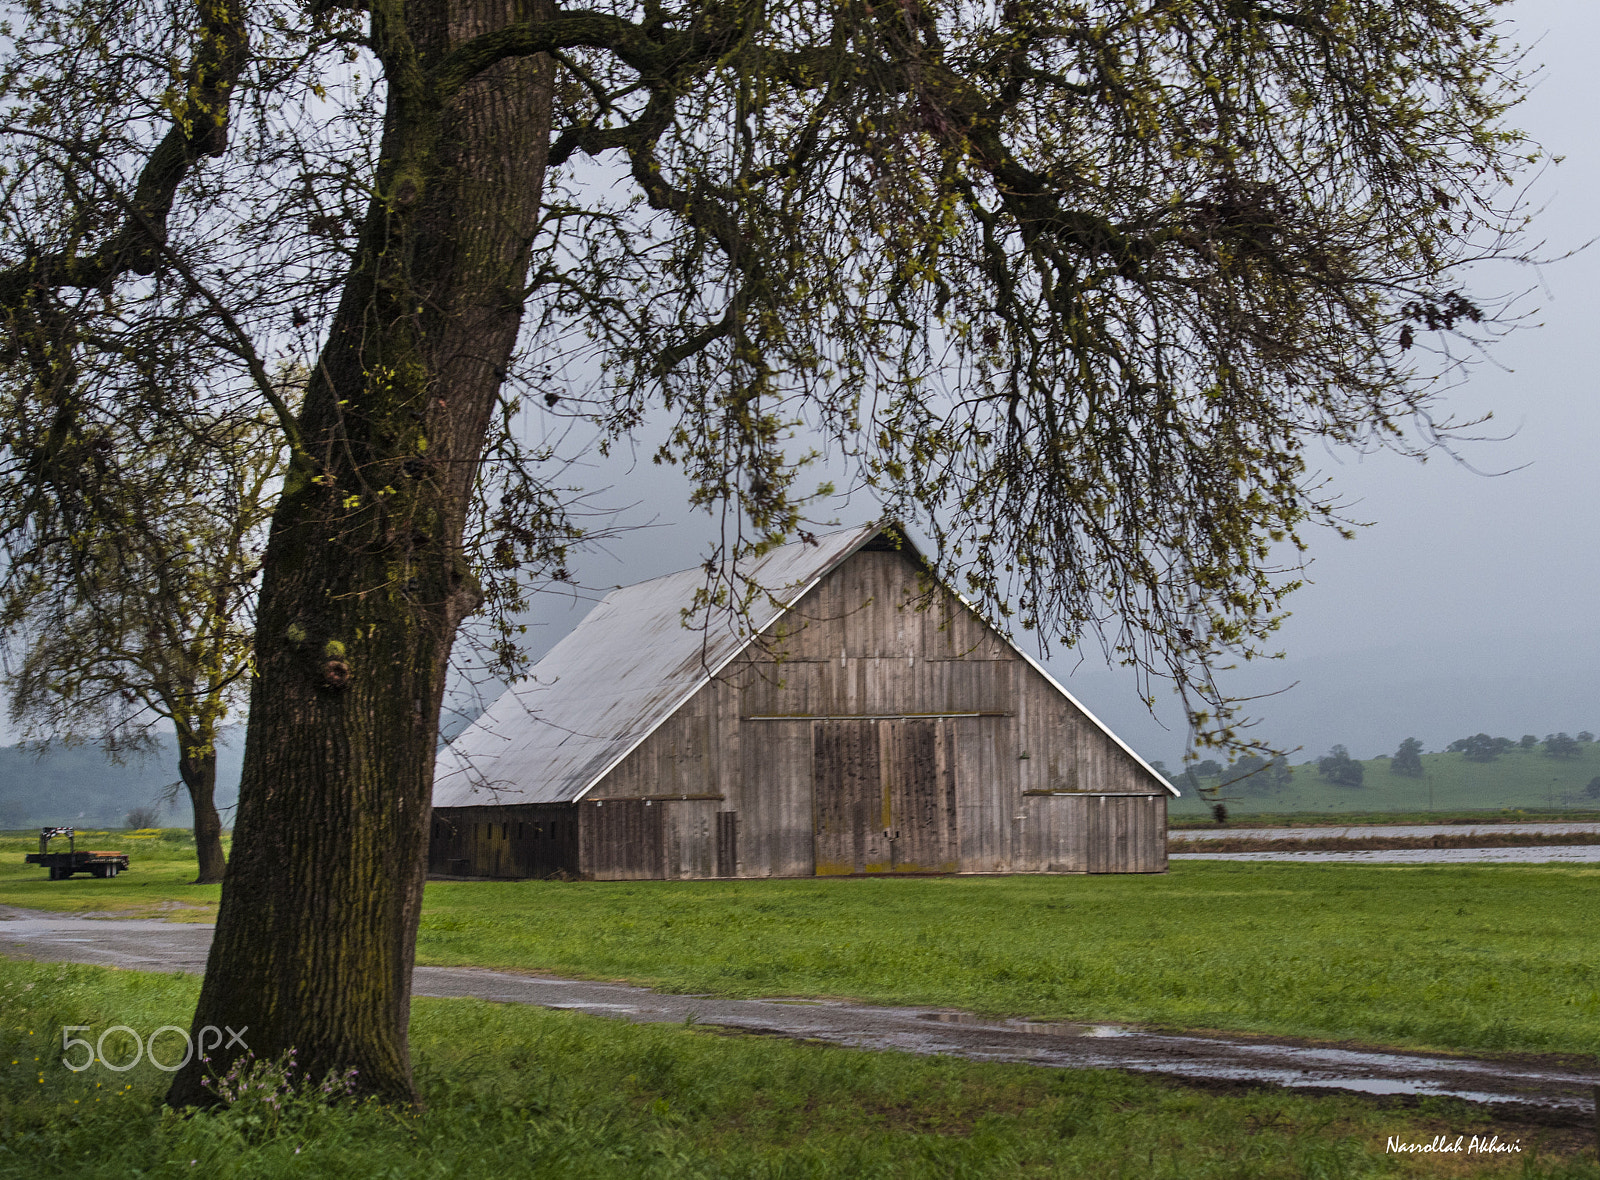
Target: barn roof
x=627, y=667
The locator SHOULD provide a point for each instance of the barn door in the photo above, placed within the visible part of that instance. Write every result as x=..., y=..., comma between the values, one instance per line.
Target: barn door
x=884, y=795
x=851, y=814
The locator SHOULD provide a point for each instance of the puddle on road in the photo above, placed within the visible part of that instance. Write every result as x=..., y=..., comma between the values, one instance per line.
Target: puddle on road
x=1220, y=1059
x=1048, y=1028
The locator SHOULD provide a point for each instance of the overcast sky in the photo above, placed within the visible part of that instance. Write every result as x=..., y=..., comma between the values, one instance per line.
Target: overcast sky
x=1469, y=604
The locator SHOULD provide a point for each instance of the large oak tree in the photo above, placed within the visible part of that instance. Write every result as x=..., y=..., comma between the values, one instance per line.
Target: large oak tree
x=1073, y=283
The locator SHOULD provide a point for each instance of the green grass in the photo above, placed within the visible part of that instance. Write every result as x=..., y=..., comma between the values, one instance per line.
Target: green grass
x=1466, y=957
x=159, y=883
x=1518, y=779
x=522, y=1092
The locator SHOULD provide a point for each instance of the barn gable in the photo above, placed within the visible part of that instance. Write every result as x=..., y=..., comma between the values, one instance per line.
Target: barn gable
x=875, y=723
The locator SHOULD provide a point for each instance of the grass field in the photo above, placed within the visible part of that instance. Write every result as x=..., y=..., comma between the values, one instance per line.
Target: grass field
x=1479, y=957
x=159, y=885
x=1518, y=779
x=1454, y=957
x=522, y=1092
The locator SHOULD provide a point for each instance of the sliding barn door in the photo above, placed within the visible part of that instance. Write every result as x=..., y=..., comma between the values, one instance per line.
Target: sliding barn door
x=884, y=796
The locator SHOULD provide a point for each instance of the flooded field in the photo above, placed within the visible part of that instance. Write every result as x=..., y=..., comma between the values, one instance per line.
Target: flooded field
x=1568, y=842
x=1537, y=854
x=1370, y=831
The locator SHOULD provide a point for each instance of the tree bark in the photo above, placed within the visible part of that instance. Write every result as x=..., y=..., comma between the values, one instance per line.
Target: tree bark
x=199, y=776
x=364, y=577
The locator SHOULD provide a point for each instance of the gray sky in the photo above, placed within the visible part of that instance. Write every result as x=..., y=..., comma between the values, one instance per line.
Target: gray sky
x=1469, y=604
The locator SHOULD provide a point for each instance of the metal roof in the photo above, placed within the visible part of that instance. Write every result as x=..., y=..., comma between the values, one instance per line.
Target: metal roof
x=623, y=671
x=627, y=667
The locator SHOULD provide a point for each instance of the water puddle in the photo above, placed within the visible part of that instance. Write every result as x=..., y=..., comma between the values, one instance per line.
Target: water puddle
x=1048, y=1028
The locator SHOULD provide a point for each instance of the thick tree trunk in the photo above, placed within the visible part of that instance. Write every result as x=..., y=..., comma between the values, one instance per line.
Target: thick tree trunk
x=364, y=580
x=199, y=776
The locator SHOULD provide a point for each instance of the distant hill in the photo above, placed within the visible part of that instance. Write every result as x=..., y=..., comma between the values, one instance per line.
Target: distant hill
x=1450, y=782
x=80, y=786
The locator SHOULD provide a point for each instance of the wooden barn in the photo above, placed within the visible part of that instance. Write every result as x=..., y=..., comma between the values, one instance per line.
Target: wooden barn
x=875, y=724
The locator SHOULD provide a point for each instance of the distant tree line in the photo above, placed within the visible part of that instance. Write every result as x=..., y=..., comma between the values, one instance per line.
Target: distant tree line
x=1249, y=775
x=1254, y=775
x=1480, y=747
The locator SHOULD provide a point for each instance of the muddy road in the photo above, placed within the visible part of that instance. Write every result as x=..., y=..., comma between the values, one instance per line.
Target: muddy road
x=1557, y=1090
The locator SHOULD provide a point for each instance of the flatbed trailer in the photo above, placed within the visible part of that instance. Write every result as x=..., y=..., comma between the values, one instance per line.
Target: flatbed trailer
x=63, y=864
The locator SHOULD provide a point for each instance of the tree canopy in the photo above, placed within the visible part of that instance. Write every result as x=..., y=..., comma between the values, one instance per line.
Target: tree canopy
x=1407, y=760
x=1075, y=285
x=1339, y=768
x=1561, y=745
x=1480, y=747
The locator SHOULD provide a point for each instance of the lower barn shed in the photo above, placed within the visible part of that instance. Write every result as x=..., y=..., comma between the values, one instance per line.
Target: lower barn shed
x=874, y=724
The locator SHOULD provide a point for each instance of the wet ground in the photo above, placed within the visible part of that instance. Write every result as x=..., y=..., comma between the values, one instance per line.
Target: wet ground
x=1389, y=831
x=1530, y=854
x=1558, y=1088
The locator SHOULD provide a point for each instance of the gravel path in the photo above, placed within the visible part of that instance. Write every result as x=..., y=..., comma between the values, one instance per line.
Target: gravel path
x=1558, y=1088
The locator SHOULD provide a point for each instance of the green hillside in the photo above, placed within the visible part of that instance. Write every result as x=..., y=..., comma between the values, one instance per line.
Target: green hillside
x=1518, y=778
x=79, y=785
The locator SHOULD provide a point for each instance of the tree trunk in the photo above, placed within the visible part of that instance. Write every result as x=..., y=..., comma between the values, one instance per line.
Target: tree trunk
x=364, y=577
x=199, y=776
